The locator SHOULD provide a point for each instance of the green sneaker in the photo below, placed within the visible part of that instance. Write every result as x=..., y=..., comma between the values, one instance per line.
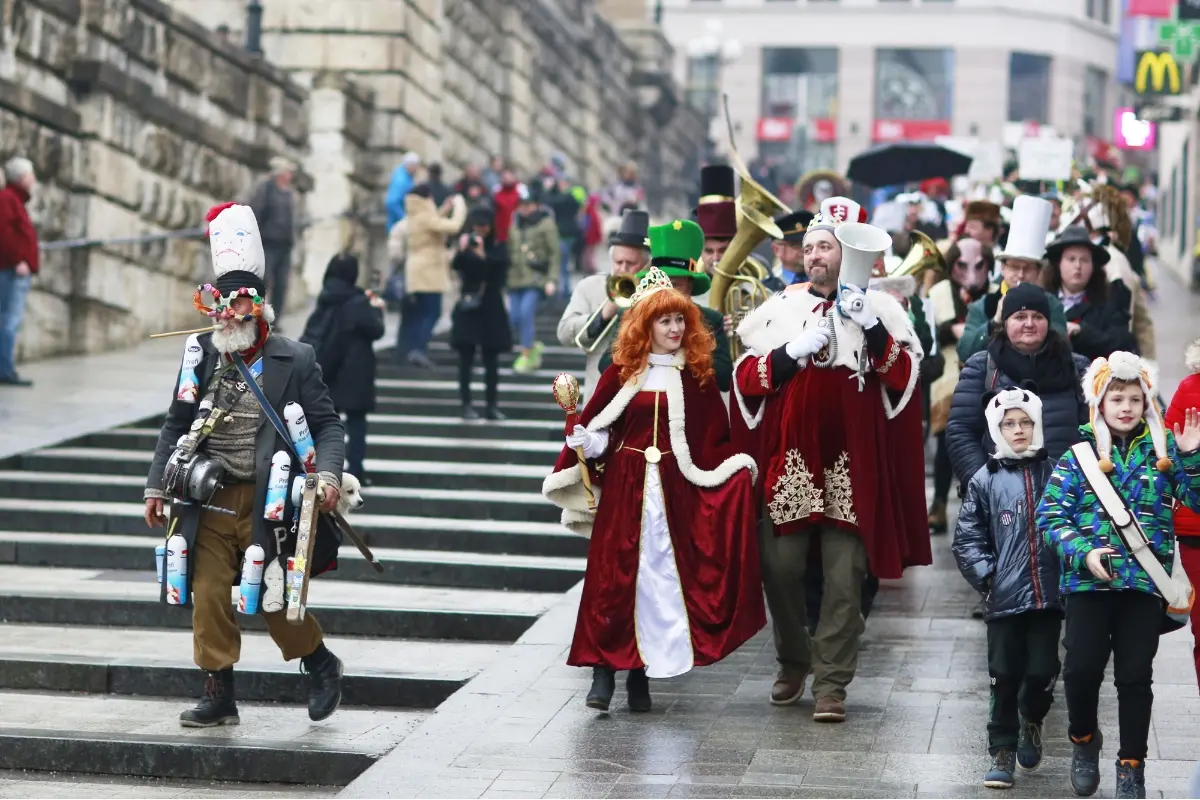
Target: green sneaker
x=522, y=364
x=535, y=355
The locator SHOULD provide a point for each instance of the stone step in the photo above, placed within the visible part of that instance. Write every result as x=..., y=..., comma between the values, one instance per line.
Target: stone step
x=150, y=663
x=68, y=784
x=141, y=737
x=430, y=424
x=98, y=598
x=446, y=367
x=533, y=409
x=407, y=567
x=380, y=500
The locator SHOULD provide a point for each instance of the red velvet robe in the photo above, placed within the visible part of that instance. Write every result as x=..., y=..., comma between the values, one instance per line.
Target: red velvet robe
x=711, y=516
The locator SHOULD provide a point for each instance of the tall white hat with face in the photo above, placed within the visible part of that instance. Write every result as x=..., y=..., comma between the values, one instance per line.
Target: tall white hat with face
x=1028, y=228
x=236, y=245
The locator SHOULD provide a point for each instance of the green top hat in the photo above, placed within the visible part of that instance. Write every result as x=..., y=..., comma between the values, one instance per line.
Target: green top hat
x=675, y=249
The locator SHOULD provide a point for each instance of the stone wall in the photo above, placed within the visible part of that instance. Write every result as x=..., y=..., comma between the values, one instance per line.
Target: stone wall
x=137, y=120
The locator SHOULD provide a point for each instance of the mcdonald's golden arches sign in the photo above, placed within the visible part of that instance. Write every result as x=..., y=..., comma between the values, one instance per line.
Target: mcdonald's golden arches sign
x=1156, y=73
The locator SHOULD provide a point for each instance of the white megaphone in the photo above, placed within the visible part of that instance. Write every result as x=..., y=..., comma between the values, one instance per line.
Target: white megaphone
x=862, y=245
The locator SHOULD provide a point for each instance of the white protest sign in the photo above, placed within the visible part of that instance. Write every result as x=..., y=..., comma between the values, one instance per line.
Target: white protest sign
x=1045, y=159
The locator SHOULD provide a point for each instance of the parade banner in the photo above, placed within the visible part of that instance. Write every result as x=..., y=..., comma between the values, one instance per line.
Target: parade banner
x=1045, y=159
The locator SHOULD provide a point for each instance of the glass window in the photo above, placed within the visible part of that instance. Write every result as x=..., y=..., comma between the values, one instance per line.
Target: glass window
x=1095, y=84
x=914, y=84
x=703, y=74
x=801, y=85
x=1028, y=88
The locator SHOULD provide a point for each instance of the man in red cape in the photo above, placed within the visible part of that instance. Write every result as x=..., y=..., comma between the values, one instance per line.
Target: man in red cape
x=826, y=398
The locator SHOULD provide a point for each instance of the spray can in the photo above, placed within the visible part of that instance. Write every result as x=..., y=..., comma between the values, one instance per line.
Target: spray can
x=294, y=581
x=177, y=571
x=252, y=577
x=160, y=555
x=297, y=493
x=189, y=384
x=302, y=439
x=277, y=486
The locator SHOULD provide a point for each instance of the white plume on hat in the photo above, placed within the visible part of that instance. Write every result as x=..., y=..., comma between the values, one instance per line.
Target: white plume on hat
x=1123, y=366
x=1002, y=402
x=1028, y=229
x=235, y=242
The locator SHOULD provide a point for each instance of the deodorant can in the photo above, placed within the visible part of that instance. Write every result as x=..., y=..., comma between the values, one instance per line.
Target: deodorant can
x=160, y=554
x=297, y=492
x=277, y=486
x=177, y=571
x=189, y=384
x=252, y=576
x=297, y=426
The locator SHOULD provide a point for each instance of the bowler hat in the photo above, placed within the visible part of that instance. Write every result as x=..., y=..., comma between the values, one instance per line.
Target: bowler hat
x=634, y=230
x=1076, y=236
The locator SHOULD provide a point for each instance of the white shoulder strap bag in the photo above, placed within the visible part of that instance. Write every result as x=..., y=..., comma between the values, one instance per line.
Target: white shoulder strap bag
x=1175, y=588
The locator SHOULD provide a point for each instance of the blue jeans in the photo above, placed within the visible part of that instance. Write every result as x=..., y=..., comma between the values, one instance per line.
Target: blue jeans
x=419, y=315
x=566, y=251
x=523, y=306
x=13, y=291
x=356, y=442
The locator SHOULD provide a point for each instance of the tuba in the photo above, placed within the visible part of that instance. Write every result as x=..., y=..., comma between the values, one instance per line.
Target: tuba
x=737, y=281
x=924, y=262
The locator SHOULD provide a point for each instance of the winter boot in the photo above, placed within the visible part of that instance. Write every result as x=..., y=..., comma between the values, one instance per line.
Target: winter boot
x=494, y=414
x=604, y=683
x=1085, y=764
x=937, y=517
x=469, y=414
x=1131, y=778
x=1029, y=746
x=324, y=682
x=1000, y=776
x=637, y=686
x=217, y=707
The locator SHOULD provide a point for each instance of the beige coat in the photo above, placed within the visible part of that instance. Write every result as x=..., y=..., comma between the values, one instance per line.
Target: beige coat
x=586, y=299
x=427, y=266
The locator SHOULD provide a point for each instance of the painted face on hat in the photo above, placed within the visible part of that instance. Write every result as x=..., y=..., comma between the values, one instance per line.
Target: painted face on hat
x=822, y=258
x=235, y=242
x=969, y=271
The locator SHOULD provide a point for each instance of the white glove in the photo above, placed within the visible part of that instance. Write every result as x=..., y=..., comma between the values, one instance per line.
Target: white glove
x=807, y=343
x=856, y=306
x=594, y=443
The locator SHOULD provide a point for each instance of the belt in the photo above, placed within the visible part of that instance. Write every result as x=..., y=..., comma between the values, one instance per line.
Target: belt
x=652, y=453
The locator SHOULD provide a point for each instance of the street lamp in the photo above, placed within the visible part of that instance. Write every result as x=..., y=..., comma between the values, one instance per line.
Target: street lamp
x=254, y=12
x=707, y=55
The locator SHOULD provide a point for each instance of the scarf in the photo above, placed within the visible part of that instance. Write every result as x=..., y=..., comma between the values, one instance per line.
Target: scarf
x=1051, y=368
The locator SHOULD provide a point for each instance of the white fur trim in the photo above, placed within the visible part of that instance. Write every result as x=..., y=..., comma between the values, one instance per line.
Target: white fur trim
x=1191, y=357
x=893, y=317
x=752, y=420
x=1005, y=401
x=683, y=454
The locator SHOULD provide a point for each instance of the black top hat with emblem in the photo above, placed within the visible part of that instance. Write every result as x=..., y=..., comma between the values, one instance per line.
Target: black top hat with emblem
x=716, y=213
x=794, y=225
x=634, y=230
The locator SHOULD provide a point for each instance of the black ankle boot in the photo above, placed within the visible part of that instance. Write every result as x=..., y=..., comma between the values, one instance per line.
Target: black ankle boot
x=493, y=413
x=604, y=683
x=217, y=707
x=469, y=413
x=324, y=682
x=637, y=686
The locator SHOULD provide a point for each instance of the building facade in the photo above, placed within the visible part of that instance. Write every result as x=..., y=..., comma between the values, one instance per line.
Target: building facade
x=813, y=82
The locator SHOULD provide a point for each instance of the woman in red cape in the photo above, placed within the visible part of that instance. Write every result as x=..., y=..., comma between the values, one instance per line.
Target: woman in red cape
x=673, y=576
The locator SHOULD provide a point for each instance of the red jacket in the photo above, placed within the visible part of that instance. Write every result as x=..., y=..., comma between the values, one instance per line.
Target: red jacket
x=18, y=239
x=506, y=200
x=1187, y=523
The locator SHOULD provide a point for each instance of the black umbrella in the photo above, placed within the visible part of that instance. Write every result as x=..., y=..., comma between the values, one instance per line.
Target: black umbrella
x=902, y=162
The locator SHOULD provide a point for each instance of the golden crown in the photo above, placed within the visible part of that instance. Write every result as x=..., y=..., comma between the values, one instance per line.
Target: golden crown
x=655, y=280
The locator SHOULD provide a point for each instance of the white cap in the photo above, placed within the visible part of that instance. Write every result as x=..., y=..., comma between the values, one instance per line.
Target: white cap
x=410, y=159
x=1027, y=231
x=235, y=242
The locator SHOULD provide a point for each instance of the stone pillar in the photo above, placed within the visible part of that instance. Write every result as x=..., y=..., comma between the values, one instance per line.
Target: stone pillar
x=856, y=103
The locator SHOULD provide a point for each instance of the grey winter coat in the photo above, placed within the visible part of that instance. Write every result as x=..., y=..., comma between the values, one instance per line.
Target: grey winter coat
x=997, y=545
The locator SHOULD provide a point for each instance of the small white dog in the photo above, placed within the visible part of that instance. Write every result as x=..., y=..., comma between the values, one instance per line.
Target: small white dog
x=350, y=497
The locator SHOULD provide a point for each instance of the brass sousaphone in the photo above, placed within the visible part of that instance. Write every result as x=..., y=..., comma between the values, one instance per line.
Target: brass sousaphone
x=924, y=261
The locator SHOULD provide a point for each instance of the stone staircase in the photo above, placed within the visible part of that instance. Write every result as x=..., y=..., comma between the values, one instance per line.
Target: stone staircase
x=94, y=671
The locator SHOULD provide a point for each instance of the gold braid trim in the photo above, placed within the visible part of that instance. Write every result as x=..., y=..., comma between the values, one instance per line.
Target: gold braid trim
x=893, y=354
x=762, y=373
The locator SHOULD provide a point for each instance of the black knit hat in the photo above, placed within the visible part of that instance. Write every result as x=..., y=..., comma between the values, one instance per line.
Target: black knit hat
x=1025, y=297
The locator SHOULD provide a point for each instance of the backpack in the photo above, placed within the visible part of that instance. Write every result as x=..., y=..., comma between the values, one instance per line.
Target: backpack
x=323, y=333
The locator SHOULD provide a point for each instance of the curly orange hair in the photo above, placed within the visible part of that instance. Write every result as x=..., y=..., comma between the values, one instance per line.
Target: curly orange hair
x=632, y=348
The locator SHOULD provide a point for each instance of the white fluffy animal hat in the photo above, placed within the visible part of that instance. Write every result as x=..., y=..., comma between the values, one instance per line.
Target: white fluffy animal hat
x=1123, y=366
x=1025, y=400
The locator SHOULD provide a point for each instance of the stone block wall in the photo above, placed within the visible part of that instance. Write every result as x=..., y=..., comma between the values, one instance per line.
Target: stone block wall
x=137, y=120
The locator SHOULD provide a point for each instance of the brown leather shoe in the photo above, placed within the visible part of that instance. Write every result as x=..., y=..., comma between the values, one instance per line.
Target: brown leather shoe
x=829, y=709
x=789, y=686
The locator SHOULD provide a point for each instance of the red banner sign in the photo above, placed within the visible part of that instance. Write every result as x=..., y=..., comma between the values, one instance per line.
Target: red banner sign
x=1158, y=9
x=780, y=129
x=909, y=130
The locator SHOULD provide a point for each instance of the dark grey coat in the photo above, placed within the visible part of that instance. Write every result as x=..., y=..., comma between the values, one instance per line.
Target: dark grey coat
x=997, y=544
x=290, y=374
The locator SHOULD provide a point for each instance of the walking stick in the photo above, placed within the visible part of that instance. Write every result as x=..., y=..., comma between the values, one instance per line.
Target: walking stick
x=566, y=394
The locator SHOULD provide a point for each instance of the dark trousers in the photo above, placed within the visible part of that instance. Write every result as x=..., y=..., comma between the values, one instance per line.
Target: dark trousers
x=943, y=472
x=1126, y=624
x=491, y=374
x=1023, y=666
x=279, y=270
x=419, y=315
x=356, y=442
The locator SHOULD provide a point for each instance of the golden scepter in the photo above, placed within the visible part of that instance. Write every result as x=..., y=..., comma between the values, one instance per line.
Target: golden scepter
x=566, y=394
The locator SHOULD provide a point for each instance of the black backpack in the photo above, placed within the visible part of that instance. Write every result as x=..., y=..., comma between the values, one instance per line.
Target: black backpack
x=323, y=333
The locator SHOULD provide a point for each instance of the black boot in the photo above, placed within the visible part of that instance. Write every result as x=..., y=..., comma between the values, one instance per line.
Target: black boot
x=493, y=413
x=1085, y=765
x=637, y=686
x=324, y=682
x=469, y=414
x=604, y=683
x=1131, y=779
x=217, y=707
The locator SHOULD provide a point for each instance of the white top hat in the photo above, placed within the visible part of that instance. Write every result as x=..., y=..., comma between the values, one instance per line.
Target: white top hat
x=235, y=242
x=1027, y=232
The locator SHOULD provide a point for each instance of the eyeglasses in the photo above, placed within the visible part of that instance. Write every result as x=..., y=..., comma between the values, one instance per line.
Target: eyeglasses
x=1012, y=425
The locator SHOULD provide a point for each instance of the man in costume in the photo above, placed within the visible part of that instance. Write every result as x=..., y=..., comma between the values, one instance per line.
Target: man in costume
x=590, y=319
x=981, y=222
x=217, y=417
x=825, y=394
x=1111, y=225
x=672, y=577
x=1021, y=262
x=789, y=251
x=716, y=213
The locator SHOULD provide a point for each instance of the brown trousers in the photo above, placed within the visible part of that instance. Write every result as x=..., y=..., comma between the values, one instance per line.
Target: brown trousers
x=220, y=542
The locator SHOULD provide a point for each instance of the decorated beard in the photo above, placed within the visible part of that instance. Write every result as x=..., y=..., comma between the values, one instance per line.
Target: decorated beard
x=969, y=271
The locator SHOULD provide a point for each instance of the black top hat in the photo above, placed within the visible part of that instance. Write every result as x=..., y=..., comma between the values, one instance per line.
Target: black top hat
x=634, y=230
x=794, y=225
x=1076, y=236
x=716, y=183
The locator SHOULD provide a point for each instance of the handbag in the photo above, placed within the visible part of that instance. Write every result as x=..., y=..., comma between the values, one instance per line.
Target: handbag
x=1175, y=588
x=470, y=301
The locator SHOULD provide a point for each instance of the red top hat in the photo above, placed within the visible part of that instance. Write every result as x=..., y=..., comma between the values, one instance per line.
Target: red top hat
x=716, y=214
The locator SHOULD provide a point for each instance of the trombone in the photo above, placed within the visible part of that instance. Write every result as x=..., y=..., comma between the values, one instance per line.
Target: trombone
x=619, y=289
